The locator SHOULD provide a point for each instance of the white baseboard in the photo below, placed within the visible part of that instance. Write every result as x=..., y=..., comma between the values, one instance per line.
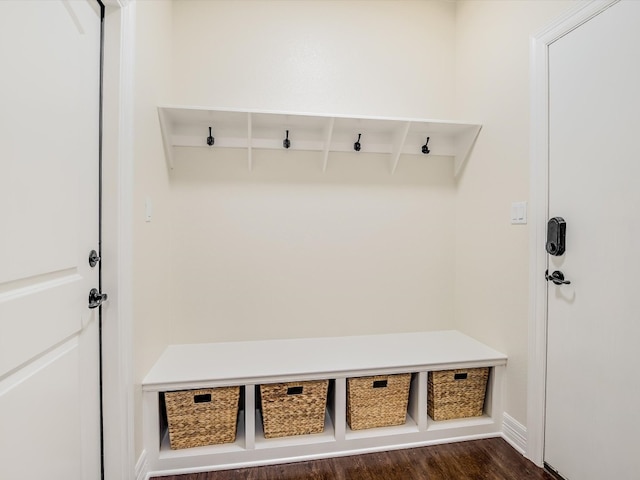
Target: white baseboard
x=514, y=433
x=142, y=467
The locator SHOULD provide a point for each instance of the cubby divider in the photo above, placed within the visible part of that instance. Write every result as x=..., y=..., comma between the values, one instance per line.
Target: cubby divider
x=249, y=419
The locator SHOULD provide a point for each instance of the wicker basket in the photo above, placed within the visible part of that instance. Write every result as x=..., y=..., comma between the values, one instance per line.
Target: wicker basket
x=202, y=417
x=378, y=401
x=295, y=408
x=456, y=393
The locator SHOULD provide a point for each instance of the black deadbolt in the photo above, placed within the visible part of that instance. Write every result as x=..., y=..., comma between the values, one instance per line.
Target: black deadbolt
x=556, y=235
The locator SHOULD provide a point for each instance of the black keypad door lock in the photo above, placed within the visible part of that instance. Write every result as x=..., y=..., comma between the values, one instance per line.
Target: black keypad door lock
x=556, y=233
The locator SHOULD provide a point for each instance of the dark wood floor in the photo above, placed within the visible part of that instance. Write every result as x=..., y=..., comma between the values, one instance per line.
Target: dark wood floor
x=491, y=459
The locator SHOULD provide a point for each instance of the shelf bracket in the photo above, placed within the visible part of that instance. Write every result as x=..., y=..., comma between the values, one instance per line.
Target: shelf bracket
x=464, y=145
x=165, y=125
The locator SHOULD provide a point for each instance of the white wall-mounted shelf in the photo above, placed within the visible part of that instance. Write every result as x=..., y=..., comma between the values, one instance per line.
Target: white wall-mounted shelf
x=183, y=367
x=251, y=130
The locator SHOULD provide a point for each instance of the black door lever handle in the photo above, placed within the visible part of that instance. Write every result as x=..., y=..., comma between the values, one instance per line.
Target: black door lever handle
x=96, y=298
x=556, y=277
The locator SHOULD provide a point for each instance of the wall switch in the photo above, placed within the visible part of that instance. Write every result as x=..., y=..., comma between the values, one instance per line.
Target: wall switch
x=518, y=213
x=148, y=210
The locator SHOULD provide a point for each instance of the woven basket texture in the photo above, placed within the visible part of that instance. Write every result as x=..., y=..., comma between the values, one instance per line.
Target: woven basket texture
x=377, y=401
x=202, y=417
x=294, y=408
x=452, y=394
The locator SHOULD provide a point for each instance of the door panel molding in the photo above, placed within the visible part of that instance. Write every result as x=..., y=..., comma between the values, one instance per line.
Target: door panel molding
x=31, y=390
x=11, y=381
x=21, y=314
x=539, y=212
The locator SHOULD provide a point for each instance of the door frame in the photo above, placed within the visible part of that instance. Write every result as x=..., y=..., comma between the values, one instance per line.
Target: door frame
x=539, y=213
x=117, y=241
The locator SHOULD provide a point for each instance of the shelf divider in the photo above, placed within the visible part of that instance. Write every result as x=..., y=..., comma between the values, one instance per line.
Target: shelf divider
x=340, y=408
x=249, y=142
x=400, y=137
x=418, y=407
x=328, y=133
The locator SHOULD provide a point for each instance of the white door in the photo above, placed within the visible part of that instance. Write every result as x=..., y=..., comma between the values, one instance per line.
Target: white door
x=49, y=141
x=593, y=364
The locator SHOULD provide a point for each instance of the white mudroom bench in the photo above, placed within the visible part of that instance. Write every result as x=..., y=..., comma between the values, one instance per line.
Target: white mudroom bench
x=251, y=363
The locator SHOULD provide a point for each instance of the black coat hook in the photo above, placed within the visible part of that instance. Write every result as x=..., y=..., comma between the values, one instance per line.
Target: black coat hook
x=286, y=143
x=357, y=146
x=210, y=139
x=425, y=148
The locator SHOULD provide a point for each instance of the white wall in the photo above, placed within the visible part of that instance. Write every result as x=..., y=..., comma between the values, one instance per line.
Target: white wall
x=151, y=268
x=492, y=256
x=286, y=250
x=389, y=57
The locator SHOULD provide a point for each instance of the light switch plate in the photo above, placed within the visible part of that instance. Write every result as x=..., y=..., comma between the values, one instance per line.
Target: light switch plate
x=518, y=213
x=148, y=210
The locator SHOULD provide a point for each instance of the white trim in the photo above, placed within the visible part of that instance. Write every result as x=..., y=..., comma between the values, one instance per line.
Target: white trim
x=118, y=241
x=514, y=433
x=539, y=158
x=142, y=467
